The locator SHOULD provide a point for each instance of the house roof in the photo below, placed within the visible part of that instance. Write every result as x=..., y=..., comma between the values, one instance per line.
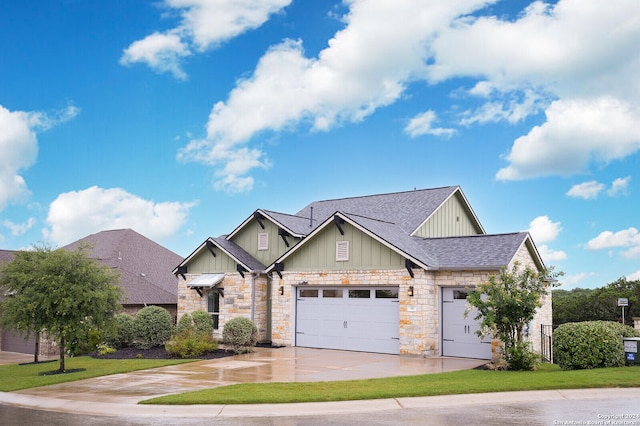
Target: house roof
x=144, y=266
x=7, y=256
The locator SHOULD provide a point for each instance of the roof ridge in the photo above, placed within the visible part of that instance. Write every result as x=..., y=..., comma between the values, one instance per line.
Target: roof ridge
x=367, y=217
x=384, y=194
x=473, y=235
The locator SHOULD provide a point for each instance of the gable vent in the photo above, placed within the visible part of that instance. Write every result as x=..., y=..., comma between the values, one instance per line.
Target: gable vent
x=342, y=251
x=263, y=241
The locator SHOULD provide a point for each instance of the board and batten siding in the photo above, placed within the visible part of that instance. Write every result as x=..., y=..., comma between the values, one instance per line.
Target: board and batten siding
x=452, y=219
x=205, y=263
x=319, y=254
x=247, y=238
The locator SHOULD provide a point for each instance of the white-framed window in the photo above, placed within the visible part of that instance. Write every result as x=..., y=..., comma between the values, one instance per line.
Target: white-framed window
x=342, y=251
x=263, y=241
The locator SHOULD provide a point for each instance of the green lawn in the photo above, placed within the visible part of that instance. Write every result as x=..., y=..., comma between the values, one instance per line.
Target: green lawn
x=458, y=382
x=15, y=377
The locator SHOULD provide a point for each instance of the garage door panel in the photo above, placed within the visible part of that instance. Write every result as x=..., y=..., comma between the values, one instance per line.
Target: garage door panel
x=356, y=321
x=459, y=332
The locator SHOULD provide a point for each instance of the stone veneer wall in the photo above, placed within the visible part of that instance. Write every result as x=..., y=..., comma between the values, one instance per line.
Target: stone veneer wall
x=236, y=301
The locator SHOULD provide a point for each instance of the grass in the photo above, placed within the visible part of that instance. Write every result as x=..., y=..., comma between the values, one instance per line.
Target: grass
x=458, y=382
x=15, y=376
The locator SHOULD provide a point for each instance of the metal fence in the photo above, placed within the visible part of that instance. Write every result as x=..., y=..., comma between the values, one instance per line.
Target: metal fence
x=546, y=340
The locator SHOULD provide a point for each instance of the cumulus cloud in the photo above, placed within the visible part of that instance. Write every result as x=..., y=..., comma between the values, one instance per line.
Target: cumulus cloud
x=634, y=276
x=203, y=23
x=591, y=189
x=73, y=215
x=544, y=230
x=346, y=82
x=422, y=124
x=628, y=238
x=570, y=281
x=19, y=147
x=19, y=228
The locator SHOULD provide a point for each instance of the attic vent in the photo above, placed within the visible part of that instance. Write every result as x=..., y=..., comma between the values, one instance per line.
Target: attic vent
x=342, y=251
x=263, y=241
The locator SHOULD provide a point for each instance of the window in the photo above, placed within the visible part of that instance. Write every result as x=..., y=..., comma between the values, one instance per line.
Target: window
x=308, y=292
x=360, y=294
x=213, y=307
x=460, y=295
x=326, y=293
x=263, y=241
x=342, y=251
x=387, y=294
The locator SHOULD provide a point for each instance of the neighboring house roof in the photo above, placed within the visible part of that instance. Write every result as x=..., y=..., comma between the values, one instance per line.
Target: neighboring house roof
x=7, y=256
x=144, y=266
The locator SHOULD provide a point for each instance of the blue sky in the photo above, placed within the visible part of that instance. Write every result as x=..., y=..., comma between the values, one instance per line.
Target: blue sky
x=179, y=118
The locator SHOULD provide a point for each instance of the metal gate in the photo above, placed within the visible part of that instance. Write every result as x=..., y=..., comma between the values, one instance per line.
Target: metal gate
x=546, y=343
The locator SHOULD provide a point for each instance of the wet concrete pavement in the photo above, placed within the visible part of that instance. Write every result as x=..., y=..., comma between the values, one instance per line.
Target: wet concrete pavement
x=105, y=399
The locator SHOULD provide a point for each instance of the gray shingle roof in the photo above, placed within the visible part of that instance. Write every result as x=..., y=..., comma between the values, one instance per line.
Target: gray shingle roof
x=144, y=266
x=474, y=251
x=7, y=256
x=407, y=209
x=239, y=254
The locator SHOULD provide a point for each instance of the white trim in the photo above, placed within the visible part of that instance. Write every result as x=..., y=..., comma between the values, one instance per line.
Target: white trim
x=342, y=251
x=263, y=241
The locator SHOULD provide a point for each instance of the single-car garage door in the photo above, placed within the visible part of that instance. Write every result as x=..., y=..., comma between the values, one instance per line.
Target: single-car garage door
x=459, y=336
x=14, y=342
x=356, y=319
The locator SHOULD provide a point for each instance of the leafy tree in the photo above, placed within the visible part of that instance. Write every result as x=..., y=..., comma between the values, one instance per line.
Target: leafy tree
x=63, y=294
x=507, y=304
x=572, y=306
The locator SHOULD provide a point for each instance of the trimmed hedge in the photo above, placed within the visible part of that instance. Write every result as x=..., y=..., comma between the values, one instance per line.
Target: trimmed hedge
x=590, y=344
x=241, y=334
x=185, y=324
x=122, y=333
x=203, y=322
x=153, y=326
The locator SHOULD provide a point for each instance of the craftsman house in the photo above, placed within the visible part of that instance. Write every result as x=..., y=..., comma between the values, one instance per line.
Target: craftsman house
x=384, y=273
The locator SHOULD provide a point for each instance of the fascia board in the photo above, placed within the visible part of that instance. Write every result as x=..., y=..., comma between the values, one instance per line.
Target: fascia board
x=242, y=225
x=280, y=225
x=531, y=246
x=191, y=256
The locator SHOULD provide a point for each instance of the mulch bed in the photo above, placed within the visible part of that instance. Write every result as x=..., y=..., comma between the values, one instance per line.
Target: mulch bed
x=157, y=353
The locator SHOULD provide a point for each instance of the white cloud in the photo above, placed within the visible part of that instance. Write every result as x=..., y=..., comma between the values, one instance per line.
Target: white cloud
x=591, y=189
x=19, y=147
x=73, y=215
x=629, y=237
x=619, y=186
x=161, y=52
x=570, y=281
x=346, y=82
x=587, y=190
x=634, y=276
x=422, y=124
x=543, y=230
x=19, y=228
x=203, y=23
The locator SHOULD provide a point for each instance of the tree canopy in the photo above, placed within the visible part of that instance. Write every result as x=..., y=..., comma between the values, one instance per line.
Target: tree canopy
x=60, y=293
x=507, y=304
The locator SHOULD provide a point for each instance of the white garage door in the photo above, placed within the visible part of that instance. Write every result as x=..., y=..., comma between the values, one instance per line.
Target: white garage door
x=356, y=319
x=459, y=336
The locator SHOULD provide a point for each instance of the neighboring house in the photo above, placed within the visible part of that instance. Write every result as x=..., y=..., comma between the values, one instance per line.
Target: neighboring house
x=383, y=273
x=145, y=277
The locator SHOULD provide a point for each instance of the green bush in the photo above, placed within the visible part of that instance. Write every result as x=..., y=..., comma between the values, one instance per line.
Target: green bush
x=153, y=326
x=590, y=344
x=121, y=334
x=521, y=357
x=241, y=334
x=185, y=324
x=203, y=322
x=190, y=344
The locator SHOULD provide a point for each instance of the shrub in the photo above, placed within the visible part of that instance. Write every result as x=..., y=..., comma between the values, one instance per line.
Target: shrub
x=185, y=324
x=521, y=357
x=241, y=334
x=122, y=333
x=203, y=322
x=190, y=343
x=590, y=344
x=153, y=327
x=104, y=349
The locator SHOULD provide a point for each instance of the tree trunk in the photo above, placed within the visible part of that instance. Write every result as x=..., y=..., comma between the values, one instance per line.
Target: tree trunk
x=37, y=349
x=62, y=350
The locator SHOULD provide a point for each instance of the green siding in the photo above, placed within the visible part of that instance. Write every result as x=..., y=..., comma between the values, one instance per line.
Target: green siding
x=452, y=219
x=247, y=238
x=205, y=263
x=319, y=253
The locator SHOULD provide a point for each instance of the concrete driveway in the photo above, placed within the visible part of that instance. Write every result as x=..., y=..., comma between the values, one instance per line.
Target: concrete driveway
x=290, y=364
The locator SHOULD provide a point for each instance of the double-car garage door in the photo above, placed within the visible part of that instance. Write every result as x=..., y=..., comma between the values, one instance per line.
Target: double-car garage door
x=356, y=319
